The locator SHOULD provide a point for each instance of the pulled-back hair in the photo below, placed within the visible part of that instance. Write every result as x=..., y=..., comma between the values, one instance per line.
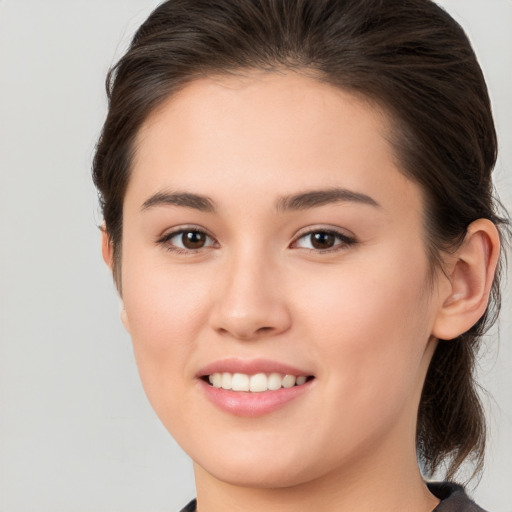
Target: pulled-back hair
x=411, y=59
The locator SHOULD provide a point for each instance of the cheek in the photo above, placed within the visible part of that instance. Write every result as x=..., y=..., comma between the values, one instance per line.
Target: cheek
x=165, y=311
x=161, y=299
x=372, y=327
x=357, y=296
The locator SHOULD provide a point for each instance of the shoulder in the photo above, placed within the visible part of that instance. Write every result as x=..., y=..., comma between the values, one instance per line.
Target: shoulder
x=191, y=507
x=453, y=498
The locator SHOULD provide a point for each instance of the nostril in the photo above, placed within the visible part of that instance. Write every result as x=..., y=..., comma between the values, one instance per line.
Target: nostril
x=264, y=329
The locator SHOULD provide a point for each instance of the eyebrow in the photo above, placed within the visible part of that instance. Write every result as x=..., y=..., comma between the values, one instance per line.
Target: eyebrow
x=301, y=201
x=185, y=199
x=316, y=198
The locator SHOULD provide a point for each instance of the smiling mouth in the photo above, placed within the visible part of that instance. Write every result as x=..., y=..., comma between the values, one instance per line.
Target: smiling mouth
x=257, y=383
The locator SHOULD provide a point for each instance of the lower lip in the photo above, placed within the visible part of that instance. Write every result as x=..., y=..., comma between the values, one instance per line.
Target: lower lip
x=245, y=403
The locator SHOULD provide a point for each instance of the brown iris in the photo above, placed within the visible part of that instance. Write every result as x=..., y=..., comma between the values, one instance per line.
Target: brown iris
x=193, y=239
x=322, y=240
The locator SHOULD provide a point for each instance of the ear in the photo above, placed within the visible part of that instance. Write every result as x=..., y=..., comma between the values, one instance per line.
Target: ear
x=470, y=275
x=124, y=317
x=107, y=249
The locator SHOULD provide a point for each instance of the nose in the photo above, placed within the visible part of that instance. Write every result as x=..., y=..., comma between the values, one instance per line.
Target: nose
x=249, y=302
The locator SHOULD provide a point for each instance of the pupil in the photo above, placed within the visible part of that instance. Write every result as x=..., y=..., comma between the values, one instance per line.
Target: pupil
x=322, y=240
x=193, y=239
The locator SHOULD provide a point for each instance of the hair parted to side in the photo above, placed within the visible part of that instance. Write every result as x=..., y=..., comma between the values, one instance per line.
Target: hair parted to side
x=410, y=58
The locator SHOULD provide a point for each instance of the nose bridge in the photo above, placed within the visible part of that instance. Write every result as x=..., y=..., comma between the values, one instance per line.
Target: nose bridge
x=250, y=302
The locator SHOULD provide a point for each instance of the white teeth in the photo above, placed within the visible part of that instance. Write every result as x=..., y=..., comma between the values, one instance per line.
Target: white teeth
x=216, y=379
x=259, y=383
x=255, y=383
x=226, y=380
x=301, y=380
x=289, y=381
x=274, y=381
x=240, y=382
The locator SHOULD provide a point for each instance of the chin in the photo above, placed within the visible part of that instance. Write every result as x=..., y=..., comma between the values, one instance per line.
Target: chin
x=258, y=465
x=267, y=475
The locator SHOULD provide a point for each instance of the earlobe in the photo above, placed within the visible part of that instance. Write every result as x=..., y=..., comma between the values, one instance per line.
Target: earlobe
x=470, y=274
x=124, y=318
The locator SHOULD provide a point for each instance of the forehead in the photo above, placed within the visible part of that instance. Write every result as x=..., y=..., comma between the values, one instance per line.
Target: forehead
x=263, y=108
x=246, y=136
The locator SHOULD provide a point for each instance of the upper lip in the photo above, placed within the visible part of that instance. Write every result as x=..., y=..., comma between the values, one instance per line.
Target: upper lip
x=250, y=367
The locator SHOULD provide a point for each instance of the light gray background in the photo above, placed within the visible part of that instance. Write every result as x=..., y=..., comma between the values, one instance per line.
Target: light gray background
x=77, y=434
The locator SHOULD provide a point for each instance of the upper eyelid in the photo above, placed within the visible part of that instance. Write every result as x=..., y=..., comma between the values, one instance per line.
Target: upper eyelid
x=324, y=229
x=171, y=232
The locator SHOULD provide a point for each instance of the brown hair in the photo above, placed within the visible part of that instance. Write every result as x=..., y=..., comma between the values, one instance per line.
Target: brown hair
x=409, y=57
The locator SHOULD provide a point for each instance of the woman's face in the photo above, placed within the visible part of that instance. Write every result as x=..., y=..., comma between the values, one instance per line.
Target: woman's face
x=268, y=232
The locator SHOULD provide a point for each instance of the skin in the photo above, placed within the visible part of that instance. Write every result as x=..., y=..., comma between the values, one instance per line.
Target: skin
x=362, y=318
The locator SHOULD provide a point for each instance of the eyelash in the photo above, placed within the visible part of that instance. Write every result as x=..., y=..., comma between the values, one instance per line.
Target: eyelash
x=344, y=241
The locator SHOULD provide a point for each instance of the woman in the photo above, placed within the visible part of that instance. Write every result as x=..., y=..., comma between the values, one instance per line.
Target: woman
x=300, y=223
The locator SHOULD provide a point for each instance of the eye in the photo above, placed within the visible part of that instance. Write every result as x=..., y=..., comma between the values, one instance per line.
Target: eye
x=186, y=240
x=323, y=240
